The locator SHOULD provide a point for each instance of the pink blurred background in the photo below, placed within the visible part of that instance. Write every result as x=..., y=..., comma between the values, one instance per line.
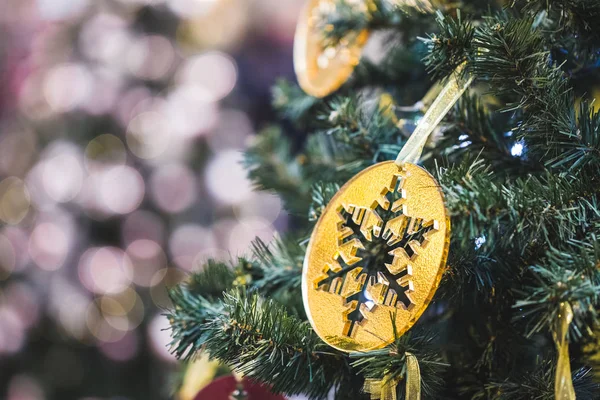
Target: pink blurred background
x=121, y=129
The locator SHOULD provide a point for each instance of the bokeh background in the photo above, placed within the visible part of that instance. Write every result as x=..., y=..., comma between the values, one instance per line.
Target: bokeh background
x=121, y=129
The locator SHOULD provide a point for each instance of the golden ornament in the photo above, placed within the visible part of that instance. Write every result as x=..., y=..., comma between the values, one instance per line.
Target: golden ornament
x=378, y=250
x=322, y=69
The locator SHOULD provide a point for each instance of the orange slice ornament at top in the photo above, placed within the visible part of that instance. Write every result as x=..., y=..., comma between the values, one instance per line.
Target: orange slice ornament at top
x=322, y=69
x=376, y=257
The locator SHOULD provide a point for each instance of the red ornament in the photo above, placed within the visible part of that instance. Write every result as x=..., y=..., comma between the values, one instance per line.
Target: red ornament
x=223, y=388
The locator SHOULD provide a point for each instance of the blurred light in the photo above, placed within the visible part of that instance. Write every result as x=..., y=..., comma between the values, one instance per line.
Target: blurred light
x=104, y=38
x=246, y=231
x=120, y=303
x=209, y=254
x=14, y=200
x=265, y=206
x=62, y=172
x=123, y=349
x=150, y=57
x=32, y=102
x=124, y=311
x=107, y=88
x=191, y=8
x=214, y=72
x=127, y=106
x=105, y=270
x=69, y=305
x=49, y=246
x=187, y=241
x=224, y=25
x=104, y=150
x=191, y=111
x=226, y=178
x=67, y=86
x=148, y=134
x=7, y=257
x=61, y=9
x=17, y=149
x=23, y=299
x=121, y=189
x=162, y=281
x=143, y=225
x=517, y=149
x=143, y=2
x=20, y=243
x=173, y=187
x=232, y=131
x=480, y=241
x=100, y=328
x=147, y=258
x=159, y=335
x=12, y=331
x=23, y=387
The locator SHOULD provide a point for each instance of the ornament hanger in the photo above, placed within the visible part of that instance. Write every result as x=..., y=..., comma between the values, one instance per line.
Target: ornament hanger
x=449, y=95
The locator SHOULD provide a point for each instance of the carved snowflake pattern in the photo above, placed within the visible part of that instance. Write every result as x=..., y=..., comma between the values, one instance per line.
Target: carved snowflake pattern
x=373, y=262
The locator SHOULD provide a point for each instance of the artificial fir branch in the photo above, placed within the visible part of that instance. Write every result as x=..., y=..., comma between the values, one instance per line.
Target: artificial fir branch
x=391, y=362
x=580, y=17
x=259, y=339
x=271, y=166
x=524, y=227
x=214, y=278
x=291, y=102
x=450, y=47
x=538, y=385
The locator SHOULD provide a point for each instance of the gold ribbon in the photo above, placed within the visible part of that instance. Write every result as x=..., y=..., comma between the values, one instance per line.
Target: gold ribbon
x=413, y=378
x=386, y=389
x=563, y=384
x=449, y=95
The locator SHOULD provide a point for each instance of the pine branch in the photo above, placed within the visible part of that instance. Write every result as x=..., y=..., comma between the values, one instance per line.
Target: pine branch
x=450, y=47
x=291, y=102
x=568, y=275
x=348, y=18
x=361, y=133
x=322, y=194
x=391, y=362
x=539, y=385
x=281, y=266
x=591, y=351
x=472, y=129
x=511, y=55
x=578, y=17
x=213, y=279
x=272, y=167
x=259, y=339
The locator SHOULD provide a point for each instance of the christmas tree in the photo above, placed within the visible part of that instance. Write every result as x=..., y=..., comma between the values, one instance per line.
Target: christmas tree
x=516, y=314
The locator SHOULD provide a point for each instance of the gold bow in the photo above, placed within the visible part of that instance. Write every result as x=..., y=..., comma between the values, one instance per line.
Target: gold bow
x=386, y=389
x=563, y=385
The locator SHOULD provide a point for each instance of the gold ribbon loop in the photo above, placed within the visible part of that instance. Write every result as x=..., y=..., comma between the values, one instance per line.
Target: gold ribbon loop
x=449, y=95
x=381, y=389
x=413, y=378
x=563, y=384
x=386, y=389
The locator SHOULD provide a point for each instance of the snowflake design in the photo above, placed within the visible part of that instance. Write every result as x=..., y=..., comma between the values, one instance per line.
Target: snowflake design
x=376, y=246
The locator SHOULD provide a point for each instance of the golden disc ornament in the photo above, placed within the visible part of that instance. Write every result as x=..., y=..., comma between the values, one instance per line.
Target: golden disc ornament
x=322, y=69
x=378, y=250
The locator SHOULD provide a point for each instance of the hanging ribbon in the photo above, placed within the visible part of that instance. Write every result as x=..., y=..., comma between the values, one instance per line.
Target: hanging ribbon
x=563, y=384
x=413, y=378
x=449, y=95
x=386, y=389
